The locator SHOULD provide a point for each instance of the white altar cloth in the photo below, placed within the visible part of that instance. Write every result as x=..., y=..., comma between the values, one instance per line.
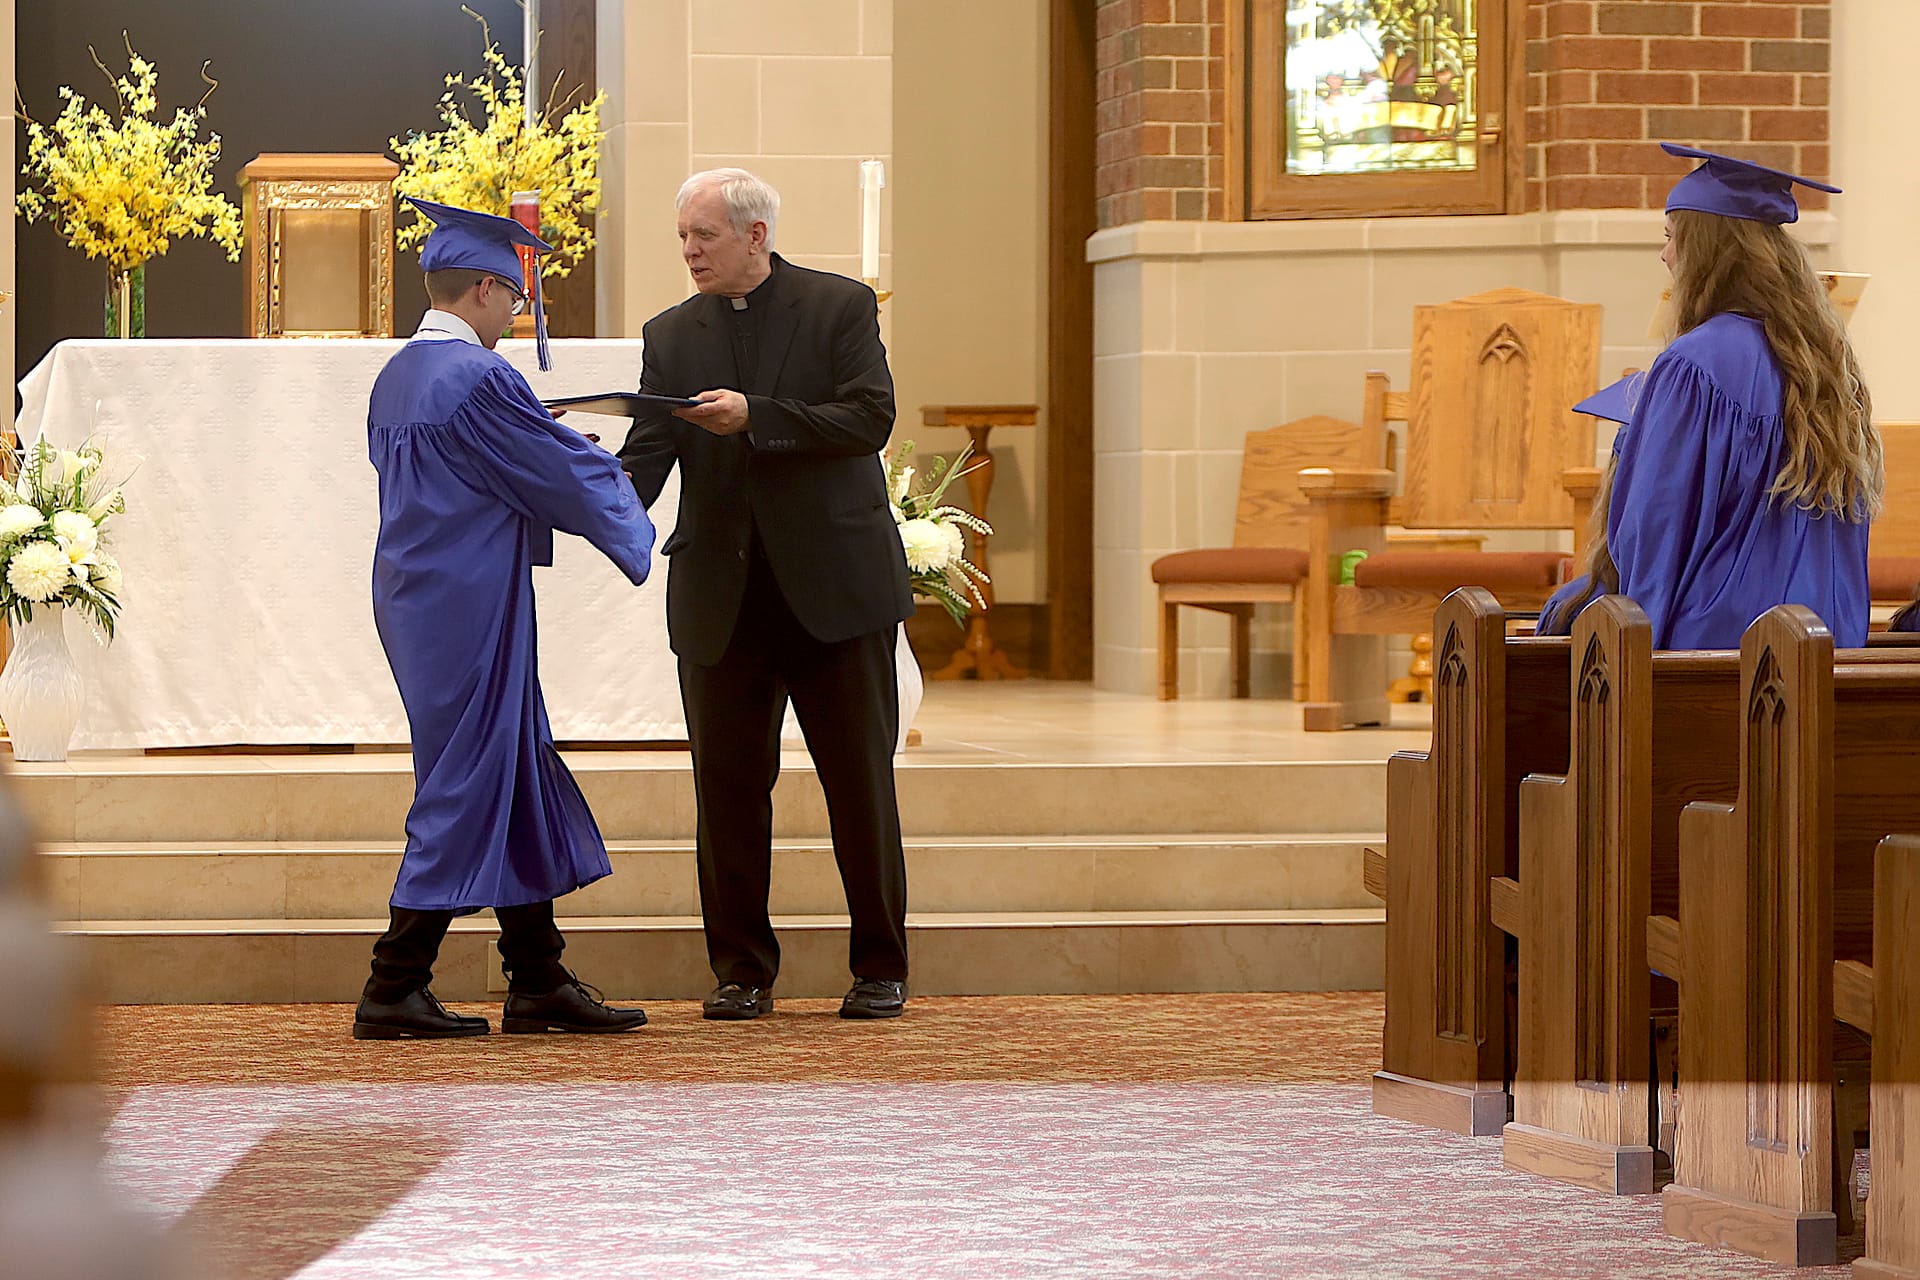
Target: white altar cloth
x=248, y=541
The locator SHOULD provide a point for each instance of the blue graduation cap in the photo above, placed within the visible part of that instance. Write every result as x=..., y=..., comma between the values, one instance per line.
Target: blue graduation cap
x=484, y=242
x=1737, y=188
x=1615, y=402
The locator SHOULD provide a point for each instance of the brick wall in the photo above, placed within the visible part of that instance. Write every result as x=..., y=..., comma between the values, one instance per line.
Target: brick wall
x=1604, y=78
x=1160, y=121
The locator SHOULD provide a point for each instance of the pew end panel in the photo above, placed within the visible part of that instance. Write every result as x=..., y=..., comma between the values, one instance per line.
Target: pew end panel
x=1893, y=1206
x=1753, y=1154
x=1443, y=1054
x=1581, y=1077
x=1499, y=712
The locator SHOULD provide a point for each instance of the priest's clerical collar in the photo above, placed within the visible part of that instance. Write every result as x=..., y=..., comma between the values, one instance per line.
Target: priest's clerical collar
x=1738, y=188
x=761, y=294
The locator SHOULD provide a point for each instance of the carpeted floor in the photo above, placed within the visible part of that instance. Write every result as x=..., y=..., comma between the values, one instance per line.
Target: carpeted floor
x=1154, y=1136
x=1180, y=1039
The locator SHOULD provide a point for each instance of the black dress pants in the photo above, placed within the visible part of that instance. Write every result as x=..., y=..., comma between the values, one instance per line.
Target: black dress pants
x=530, y=946
x=848, y=706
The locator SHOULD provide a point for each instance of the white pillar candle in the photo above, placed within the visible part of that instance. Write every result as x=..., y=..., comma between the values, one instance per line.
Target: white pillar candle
x=872, y=178
x=530, y=73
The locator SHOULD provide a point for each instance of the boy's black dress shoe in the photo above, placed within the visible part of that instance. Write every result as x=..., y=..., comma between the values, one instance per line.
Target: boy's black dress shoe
x=418, y=1015
x=572, y=1006
x=732, y=1002
x=875, y=998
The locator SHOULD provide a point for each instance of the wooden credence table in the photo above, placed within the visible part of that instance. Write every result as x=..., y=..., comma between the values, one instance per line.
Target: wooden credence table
x=977, y=654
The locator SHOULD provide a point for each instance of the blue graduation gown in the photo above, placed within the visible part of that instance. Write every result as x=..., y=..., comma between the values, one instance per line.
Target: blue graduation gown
x=475, y=475
x=1701, y=544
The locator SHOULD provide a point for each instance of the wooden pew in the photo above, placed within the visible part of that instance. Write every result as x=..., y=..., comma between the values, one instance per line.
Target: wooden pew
x=1774, y=889
x=1499, y=713
x=1452, y=822
x=1891, y=1015
x=1649, y=733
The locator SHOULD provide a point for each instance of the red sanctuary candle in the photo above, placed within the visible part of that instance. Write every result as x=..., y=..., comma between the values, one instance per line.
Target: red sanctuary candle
x=525, y=210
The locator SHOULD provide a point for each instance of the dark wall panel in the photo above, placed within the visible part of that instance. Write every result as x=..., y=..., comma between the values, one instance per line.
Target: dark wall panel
x=295, y=75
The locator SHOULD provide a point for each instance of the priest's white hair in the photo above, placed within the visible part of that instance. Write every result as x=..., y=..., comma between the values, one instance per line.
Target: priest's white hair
x=750, y=199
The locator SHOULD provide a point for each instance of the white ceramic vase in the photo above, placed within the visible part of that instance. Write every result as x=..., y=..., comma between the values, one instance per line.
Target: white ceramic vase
x=906, y=670
x=40, y=689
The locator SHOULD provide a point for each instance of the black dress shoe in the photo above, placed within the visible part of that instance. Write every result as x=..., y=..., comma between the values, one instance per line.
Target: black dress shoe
x=875, y=998
x=732, y=1002
x=572, y=1006
x=418, y=1015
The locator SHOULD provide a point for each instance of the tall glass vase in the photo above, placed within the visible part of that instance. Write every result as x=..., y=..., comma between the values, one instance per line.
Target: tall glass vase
x=127, y=303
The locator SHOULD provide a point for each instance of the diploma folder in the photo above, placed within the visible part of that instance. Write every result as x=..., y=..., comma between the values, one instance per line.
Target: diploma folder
x=619, y=404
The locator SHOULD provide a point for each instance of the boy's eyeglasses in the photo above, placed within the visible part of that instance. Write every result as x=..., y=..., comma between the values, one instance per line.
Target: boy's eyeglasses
x=519, y=295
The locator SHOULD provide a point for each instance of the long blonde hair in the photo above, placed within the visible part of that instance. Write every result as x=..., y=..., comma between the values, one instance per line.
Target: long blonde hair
x=1832, y=463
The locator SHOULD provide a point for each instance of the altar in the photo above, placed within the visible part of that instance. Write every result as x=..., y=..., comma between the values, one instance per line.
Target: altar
x=247, y=548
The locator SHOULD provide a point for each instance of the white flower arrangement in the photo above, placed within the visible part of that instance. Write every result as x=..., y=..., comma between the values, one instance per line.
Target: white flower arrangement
x=932, y=533
x=53, y=537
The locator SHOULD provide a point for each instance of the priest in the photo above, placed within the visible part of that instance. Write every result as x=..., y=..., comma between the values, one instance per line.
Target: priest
x=475, y=477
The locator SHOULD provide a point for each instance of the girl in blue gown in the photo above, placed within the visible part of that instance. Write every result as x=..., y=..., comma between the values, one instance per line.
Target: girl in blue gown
x=1750, y=468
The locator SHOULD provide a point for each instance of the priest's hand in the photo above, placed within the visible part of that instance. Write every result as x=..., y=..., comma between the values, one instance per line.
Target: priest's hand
x=724, y=413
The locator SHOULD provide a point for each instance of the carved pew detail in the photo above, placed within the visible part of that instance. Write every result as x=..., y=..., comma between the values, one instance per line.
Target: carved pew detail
x=1499, y=711
x=1580, y=1074
x=1773, y=889
x=1649, y=732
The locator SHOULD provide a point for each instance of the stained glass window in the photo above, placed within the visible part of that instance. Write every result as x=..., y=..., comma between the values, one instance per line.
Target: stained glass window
x=1381, y=86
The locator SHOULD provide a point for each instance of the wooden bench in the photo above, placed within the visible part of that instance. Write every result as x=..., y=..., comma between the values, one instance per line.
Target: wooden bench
x=1649, y=734
x=1500, y=713
x=1774, y=889
x=1892, y=1018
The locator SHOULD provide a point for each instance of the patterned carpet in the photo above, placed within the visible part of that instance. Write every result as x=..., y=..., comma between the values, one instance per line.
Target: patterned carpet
x=1182, y=1039
x=1032, y=1137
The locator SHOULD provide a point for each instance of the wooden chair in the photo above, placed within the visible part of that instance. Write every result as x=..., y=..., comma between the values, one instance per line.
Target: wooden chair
x=1268, y=559
x=1893, y=557
x=1493, y=444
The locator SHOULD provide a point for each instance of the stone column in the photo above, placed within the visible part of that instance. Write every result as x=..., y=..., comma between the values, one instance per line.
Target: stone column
x=1871, y=40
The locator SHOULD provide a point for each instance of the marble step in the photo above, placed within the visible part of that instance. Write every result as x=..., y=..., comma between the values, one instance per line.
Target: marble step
x=664, y=957
x=328, y=880
x=648, y=796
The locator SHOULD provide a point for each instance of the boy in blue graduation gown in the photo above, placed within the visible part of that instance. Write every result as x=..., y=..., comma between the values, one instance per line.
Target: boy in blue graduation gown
x=475, y=476
x=1741, y=481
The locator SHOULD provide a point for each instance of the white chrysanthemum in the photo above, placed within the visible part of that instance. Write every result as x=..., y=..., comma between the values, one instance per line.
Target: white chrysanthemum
x=927, y=547
x=18, y=520
x=39, y=571
x=956, y=541
x=75, y=532
x=106, y=573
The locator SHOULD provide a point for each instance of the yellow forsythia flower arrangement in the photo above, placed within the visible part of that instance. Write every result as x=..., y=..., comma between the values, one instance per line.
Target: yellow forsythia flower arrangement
x=125, y=189
x=481, y=166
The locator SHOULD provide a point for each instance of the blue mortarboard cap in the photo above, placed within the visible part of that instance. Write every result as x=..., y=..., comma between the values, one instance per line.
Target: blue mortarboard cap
x=1614, y=402
x=483, y=242
x=1737, y=188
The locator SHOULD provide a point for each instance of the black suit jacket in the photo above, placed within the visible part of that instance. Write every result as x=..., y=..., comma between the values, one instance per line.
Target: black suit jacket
x=805, y=472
